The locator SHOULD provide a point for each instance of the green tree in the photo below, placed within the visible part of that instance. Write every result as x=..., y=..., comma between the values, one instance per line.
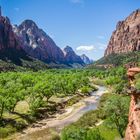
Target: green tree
x=116, y=110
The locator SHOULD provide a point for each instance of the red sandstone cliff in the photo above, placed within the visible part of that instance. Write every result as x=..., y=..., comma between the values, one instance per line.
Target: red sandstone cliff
x=133, y=128
x=10, y=46
x=126, y=37
x=7, y=37
x=37, y=43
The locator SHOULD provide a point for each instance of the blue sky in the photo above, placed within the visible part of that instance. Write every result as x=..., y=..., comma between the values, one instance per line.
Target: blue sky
x=85, y=25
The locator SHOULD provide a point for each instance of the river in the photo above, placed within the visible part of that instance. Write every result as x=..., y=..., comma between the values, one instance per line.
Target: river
x=40, y=131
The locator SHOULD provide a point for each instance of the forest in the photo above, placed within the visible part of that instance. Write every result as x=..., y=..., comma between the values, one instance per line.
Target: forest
x=29, y=96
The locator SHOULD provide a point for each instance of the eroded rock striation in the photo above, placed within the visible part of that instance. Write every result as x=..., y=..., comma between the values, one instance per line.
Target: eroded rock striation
x=10, y=46
x=29, y=41
x=126, y=37
x=133, y=127
x=37, y=43
x=7, y=37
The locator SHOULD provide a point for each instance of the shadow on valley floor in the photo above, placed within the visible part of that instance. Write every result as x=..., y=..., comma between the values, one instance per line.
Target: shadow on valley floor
x=14, y=56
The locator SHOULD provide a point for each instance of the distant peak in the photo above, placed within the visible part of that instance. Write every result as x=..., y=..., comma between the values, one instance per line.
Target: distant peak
x=68, y=49
x=83, y=55
x=86, y=59
x=28, y=23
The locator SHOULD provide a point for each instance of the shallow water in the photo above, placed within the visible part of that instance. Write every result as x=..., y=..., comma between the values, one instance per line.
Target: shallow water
x=91, y=103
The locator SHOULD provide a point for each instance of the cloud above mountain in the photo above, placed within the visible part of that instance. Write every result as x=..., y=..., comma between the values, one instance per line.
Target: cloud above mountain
x=85, y=48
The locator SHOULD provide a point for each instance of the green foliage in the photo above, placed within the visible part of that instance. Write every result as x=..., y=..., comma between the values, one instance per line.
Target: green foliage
x=38, y=87
x=4, y=132
x=73, y=133
x=116, y=110
x=79, y=133
x=94, y=134
x=120, y=59
x=112, y=108
x=86, y=89
x=107, y=133
x=138, y=82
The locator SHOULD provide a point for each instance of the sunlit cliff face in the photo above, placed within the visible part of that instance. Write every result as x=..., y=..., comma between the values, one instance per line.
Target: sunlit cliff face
x=126, y=37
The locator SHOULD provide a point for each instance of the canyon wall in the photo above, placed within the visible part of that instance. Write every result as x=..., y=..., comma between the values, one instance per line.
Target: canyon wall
x=133, y=127
x=126, y=37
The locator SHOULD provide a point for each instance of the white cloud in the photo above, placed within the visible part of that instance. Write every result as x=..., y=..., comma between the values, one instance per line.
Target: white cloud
x=85, y=48
x=100, y=37
x=16, y=9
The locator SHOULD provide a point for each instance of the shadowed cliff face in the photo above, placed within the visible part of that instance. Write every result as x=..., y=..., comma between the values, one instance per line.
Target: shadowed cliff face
x=37, y=43
x=133, y=127
x=86, y=59
x=7, y=37
x=126, y=37
x=10, y=47
x=71, y=57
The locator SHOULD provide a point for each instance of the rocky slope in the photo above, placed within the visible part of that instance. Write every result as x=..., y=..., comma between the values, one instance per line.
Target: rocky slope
x=133, y=127
x=71, y=57
x=10, y=47
x=28, y=42
x=37, y=43
x=85, y=59
x=126, y=37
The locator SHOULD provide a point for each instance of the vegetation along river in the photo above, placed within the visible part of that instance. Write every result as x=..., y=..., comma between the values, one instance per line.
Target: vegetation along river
x=41, y=129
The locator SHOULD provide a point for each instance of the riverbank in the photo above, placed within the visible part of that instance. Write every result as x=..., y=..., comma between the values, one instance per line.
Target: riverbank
x=72, y=114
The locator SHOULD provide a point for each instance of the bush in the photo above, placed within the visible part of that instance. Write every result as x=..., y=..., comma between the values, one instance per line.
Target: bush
x=94, y=134
x=55, y=137
x=73, y=132
x=116, y=109
x=86, y=89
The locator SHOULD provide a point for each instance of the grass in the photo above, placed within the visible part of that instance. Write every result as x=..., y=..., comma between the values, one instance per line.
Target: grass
x=98, y=82
x=107, y=133
x=14, y=122
x=22, y=107
x=21, y=118
x=138, y=81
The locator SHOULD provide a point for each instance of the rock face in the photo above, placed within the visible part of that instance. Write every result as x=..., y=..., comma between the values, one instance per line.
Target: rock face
x=7, y=37
x=71, y=57
x=126, y=37
x=86, y=59
x=20, y=42
x=133, y=127
x=10, y=47
x=37, y=43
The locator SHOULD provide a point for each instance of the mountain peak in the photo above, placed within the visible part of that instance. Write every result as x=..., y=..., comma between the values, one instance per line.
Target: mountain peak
x=68, y=49
x=71, y=57
x=37, y=43
x=83, y=55
x=28, y=24
x=126, y=37
x=86, y=59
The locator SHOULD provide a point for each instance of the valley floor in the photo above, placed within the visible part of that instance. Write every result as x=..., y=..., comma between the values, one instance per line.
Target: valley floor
x=41, y=129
